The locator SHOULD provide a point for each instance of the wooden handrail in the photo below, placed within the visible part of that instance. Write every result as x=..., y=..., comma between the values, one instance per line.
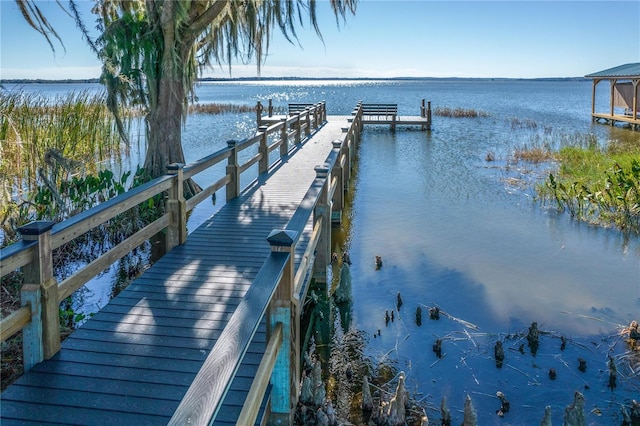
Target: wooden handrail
x=251, y=406
x=203, y=399
x=15, y=322
x=80, y=278
x=16, y=256
x=21, y=254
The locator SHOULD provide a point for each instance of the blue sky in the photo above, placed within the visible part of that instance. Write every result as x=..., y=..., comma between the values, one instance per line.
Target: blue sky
x=419, y=38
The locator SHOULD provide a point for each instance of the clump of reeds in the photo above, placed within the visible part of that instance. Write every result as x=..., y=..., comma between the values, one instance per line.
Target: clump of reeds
x=77, y=125
x=215, y=108
x=534, y=154
x=526, y=123
x=459, y=112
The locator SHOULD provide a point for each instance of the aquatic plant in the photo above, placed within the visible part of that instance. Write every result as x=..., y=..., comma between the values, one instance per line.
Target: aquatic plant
x=216, y=108
x=459, y=112
x=32, y=125
x=615, y=199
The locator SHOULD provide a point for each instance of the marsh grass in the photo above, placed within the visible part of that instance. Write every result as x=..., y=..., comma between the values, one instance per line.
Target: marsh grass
x=77, y=126
x=227, y=108
x=596, y=181
x=459, y=112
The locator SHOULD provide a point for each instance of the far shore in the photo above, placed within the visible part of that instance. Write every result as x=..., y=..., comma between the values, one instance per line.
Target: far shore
x=241, y=79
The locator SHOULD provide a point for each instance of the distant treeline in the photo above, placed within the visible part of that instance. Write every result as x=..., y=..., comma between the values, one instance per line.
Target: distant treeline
x=210, y=79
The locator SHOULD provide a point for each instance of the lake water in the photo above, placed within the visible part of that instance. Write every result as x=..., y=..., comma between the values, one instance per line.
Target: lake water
x=467, y=235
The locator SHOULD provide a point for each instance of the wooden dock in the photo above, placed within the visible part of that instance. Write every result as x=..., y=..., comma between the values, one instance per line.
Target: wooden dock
x=210, y=333
x=371, y=113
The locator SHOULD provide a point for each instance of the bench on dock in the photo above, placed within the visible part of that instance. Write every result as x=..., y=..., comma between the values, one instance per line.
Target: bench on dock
x=297, y=108
x=380, y=110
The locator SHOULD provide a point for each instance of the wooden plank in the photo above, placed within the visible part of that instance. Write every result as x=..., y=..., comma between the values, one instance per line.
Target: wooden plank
x=203, y=399
x=18, y=413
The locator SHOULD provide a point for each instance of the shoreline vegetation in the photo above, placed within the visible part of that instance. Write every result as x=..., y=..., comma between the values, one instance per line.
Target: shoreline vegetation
x=574, y=185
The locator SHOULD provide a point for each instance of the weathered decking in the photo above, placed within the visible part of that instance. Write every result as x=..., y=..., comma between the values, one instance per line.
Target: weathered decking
x=133, y=362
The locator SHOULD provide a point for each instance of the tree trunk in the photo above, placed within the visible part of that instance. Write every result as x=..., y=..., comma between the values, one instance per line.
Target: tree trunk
x=164, y=142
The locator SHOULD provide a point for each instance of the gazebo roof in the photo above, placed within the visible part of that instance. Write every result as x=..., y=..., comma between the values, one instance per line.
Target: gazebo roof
x=621, y=71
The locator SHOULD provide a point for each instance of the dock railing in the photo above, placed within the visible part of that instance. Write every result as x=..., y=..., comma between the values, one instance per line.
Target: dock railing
x=41, y=294
x=278, y=291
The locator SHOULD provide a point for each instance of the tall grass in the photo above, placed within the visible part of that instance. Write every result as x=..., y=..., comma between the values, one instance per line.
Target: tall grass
x=45, y=141
x=459, y=112
x=597, y=182
x=77, y=126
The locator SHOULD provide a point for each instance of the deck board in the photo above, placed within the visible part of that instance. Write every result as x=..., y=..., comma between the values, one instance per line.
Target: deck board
x=133, y=361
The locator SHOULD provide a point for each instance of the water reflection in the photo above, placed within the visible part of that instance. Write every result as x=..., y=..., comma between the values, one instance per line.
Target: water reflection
x=452, y=236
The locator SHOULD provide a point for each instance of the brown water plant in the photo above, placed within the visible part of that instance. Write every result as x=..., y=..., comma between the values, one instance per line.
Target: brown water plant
x=534, y=154
x=459, y=112
x=217, y=108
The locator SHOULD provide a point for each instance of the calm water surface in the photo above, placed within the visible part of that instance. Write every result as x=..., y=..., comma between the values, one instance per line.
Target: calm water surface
x=467, y=235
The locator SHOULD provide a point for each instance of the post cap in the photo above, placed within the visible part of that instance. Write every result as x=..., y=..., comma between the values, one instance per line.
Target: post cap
x=282, y=237
x=321, y=171
x=175, y=166
x=36, y=228
x=337, y=143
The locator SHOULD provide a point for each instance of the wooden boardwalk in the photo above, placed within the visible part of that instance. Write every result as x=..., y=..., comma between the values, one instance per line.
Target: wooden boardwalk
x=133, y=362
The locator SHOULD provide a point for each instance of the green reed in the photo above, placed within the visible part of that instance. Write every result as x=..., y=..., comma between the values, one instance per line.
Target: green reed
x=77, y=126
x=597, y=182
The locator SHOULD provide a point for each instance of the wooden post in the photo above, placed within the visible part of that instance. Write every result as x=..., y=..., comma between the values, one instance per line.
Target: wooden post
x=32, y=348
x=593, y=98
x=349, y=146
x=338, y=172
x=270, y=108
x=177, y=206
x=40, y=273
x=307, y=130
x=298, y=128
x=259, y=109
x=429, y=115
x=634, y=109
x=323, y=212
x=613, y=86
x=233, y=187
x=284, y=135
x=263, y=149
x=286, y=372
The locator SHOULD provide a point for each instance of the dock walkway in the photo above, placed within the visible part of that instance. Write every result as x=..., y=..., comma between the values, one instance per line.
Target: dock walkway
x=133, y=362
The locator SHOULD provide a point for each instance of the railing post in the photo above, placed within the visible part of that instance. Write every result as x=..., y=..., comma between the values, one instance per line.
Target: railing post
x=177, y=206
x=338, y=172
x=322, y=212
x=259, y=109
x=263, y=149
x=316, y=116
x=40, y=273
x=32, y=349
x=324, y=111
x=307, y=130
x=283, y=309
x=298, y=127
x=284, y=138
x=233, y=187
